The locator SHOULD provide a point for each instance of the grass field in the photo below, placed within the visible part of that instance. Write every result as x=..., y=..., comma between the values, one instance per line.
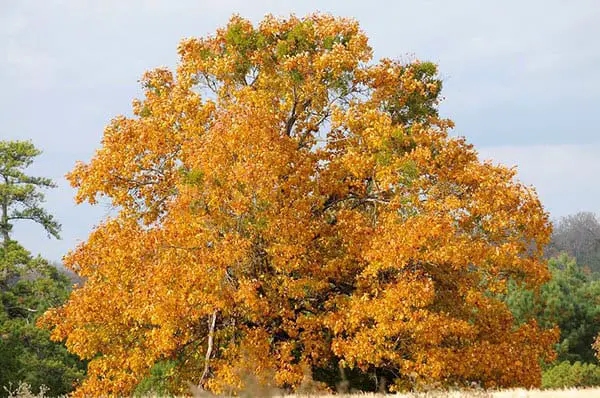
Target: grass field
x=519, y=393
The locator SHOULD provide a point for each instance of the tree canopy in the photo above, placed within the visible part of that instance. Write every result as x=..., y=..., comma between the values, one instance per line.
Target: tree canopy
x=286, y=206
x=20, y=195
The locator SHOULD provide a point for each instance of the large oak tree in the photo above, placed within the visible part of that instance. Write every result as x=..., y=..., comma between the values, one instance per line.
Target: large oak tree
x=286, y=206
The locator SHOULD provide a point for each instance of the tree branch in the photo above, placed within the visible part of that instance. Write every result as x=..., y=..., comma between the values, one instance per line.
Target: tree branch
x=211, y=334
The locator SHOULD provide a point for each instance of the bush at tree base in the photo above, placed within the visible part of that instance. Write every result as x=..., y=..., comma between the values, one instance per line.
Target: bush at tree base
x=567, y=375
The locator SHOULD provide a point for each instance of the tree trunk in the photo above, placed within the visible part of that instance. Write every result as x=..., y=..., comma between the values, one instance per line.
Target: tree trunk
x=4, y=226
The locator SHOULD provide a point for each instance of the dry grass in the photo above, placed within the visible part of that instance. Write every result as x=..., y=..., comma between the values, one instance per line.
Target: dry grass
x=571, y=392
x=23, y=390
x=519, y=393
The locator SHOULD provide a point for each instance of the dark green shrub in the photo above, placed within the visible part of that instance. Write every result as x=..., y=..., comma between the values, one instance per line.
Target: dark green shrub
x=567, y=375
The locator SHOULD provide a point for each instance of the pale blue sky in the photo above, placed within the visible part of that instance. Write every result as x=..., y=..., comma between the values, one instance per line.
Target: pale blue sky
x=522, y=80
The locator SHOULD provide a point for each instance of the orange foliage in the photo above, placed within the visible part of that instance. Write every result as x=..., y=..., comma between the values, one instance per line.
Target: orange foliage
x=316, y=204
